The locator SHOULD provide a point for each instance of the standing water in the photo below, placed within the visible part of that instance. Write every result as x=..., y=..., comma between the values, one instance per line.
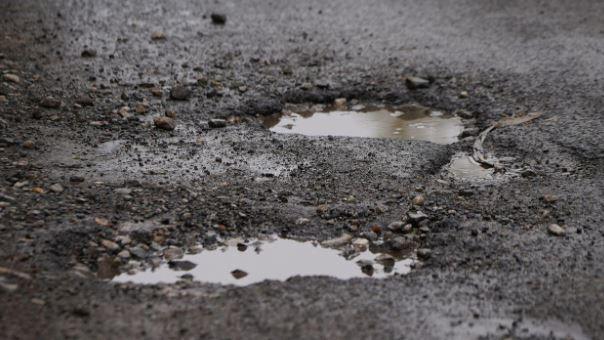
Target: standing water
x=408, y=121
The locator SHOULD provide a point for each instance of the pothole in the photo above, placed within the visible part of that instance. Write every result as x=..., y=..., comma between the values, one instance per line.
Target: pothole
x=409, y=121
x=240, y=262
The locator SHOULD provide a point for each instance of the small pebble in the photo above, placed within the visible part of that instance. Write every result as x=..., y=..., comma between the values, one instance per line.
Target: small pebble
x=157, y=35
x=89, y=53
x=418, y=200
x=164, y=123
x=556, y=230
x=416, y=83
x=13, y=78
x=218, y=18
x=217, y=123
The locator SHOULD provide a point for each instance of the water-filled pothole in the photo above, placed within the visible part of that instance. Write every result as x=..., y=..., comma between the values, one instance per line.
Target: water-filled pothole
x=464, y=167
x=409, y=121
x=242, y=263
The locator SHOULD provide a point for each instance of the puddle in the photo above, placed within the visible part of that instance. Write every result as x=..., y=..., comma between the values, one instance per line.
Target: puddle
x=408, y=121
x=276, y=259
x=464, y=167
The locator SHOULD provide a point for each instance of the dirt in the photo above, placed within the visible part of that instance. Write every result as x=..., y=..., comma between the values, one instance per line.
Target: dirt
x=86, y=174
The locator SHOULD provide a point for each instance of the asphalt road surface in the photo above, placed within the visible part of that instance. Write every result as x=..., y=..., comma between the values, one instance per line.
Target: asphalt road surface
x=89, y=182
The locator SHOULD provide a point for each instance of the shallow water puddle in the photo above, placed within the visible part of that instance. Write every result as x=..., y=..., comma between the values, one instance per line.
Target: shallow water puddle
x=277, y=259
x=408, y=121
x=464, y=167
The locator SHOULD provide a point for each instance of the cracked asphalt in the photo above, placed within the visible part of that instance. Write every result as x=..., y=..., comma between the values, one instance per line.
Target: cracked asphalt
x=83, y=168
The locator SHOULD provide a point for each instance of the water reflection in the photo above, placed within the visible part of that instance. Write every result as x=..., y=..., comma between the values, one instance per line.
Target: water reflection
x=277, y=259
x=413, y=122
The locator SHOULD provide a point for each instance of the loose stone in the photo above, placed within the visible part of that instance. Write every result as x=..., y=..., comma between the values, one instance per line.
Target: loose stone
x=416, y=216
x=416, y=83
x=181, y=265
x=110, y=245
x=173, y=253
x=85, y=100
x=407, y=228
x=338, y=241
x=556, y=230
x=89, y=53
x=124, y=254
x=142, y=108
x=57, y=188
x=164, y=123
x=418, y=200
x=217, y=123
x=424, y=253
x=157, y=35
x=28, y=144
x=238, y=274
x=180, y=92
x=13, y=78
x=465, y=114
x=340, y=102
x=396, y=226
x=360, y=244
x=50, y=103
x=218, y=18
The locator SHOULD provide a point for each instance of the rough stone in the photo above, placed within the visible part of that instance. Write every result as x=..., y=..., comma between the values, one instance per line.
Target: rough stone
x=180, y=92
x=556, y=230
x=217, y=123
x=218, y=18
x=50, y=103
x=173, y=253
x=164, y=123
x=416, y=83
x=57, y=188
x=181, y=265
x=13, y=78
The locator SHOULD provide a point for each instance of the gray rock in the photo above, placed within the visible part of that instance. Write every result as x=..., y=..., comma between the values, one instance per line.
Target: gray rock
x=398, y=243
x=218, y=18
x=469, y=132
x=416, y=216
x=464, y=114
x=416, y=83
x=556, y=230
x=164, y=123
x=238, y=274
x=217, y=123
x=13, y=78
x=110, y=245
x=181, y=265
x=50, y=103
x=124, y=254
x=424, y=253
x=173, y=253
x=396, y=226
x=180, y=92
x=89, y=53
x=58, y=188
x=138, y=252
x=418, y=200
